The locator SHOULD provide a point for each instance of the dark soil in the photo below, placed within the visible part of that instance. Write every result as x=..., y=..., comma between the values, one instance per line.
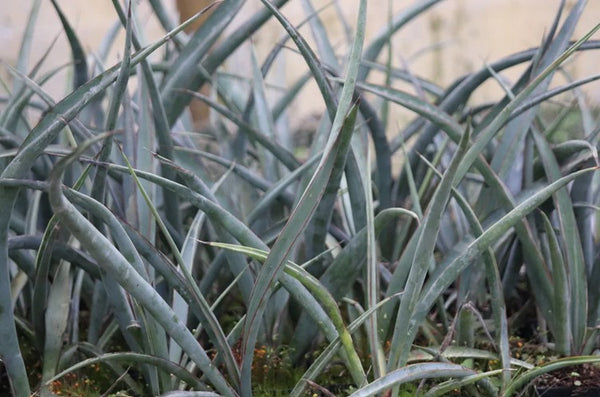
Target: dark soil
x=4, y=383
x=581, y=378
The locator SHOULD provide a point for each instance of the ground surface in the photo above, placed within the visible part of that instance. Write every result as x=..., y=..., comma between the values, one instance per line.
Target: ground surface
x=582, y=378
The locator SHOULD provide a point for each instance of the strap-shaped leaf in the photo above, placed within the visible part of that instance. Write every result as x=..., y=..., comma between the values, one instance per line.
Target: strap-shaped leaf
x=411, y=373
x=447, y=275
x=287, y=239
x=427, y=232
x=113, y=262
x=574, y=261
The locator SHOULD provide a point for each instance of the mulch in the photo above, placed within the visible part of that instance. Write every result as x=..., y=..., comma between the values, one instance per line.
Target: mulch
x=581, y=379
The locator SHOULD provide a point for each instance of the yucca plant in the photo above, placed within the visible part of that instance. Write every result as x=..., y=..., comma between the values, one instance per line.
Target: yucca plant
x=171, y=256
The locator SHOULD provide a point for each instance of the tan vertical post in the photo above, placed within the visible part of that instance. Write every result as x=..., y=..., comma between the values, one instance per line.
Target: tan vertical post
x=187, y=8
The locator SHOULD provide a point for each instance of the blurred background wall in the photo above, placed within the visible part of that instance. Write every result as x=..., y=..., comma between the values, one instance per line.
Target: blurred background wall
x=454, y=37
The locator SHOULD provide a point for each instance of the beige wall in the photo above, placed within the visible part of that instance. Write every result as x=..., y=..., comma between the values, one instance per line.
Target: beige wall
x=91, y=19
x=454, y=37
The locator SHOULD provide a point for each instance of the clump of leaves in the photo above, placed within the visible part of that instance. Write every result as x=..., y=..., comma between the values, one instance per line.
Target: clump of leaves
x=109, y=194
